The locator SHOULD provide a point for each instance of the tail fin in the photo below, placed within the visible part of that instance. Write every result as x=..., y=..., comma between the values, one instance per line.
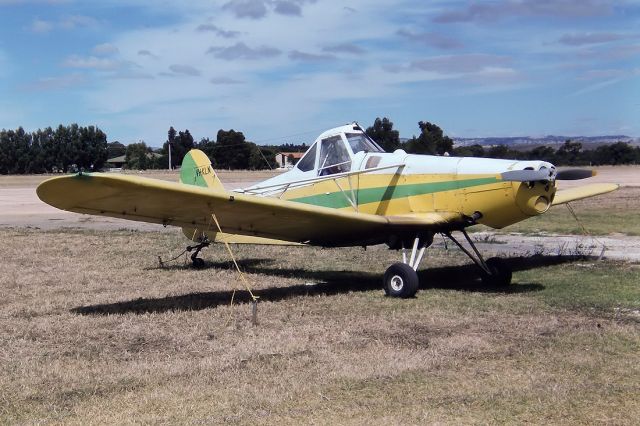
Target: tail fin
x=196, y=170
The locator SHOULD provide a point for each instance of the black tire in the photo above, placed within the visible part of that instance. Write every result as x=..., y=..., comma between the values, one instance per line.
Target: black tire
x=198, y=263
x=400, y=280
x=500, y=273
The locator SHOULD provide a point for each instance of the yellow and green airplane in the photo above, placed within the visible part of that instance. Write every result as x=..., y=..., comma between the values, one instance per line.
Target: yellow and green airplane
x=345, y=191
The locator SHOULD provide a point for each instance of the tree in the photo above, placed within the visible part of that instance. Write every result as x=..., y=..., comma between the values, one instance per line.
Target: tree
x=474, y=150
x=569, y=153
x=181, y=143
x=37, y=158
x=616, y=153
x=382, y=132
x=115, y=149
x=545, y=153
x=137, y=156
x=231, y=150
x=7, y=152
x=261, y=158
x=498, y=151
x=431, y=141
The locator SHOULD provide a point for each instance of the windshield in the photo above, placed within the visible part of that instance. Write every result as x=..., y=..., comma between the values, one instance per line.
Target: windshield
x=360, y=142
x=308, y=162
x=334, y=157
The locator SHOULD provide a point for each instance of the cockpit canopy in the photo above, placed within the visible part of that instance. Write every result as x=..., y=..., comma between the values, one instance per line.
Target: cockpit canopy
x=333, y=151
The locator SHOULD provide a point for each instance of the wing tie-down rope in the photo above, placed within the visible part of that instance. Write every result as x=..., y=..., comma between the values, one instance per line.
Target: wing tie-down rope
x=185, y=251
x=586, y=231
x=242, y=277
x=164, y=262
x=254, y=298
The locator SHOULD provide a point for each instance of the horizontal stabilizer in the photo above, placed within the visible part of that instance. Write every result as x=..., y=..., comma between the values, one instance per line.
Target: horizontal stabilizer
x=567, y=195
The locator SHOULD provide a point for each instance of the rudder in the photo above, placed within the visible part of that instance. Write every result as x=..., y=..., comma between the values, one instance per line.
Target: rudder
x=196, y=170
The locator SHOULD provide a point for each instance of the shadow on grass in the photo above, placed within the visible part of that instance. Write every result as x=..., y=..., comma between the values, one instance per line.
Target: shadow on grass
x=457, y=278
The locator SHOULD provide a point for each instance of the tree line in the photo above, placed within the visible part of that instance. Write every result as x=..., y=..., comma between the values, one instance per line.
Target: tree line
x=432, y=140
x=230, y=150
x=65, y=149
x=73, y=147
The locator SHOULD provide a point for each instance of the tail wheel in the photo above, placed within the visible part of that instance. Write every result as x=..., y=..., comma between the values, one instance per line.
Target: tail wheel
x=198, y=263
x=500, y=273
x=400, y=280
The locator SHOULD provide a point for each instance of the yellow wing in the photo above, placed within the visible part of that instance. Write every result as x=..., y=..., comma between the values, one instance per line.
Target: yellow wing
x=168, y=203
x=567, y=195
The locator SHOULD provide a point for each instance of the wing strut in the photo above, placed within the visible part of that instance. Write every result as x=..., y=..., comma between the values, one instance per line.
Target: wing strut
x=494, y=271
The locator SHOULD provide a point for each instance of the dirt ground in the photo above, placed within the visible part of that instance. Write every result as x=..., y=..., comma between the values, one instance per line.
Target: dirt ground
x=21, y=208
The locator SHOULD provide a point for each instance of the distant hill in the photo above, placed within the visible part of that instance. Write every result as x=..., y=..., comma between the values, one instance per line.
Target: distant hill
x=529, y=142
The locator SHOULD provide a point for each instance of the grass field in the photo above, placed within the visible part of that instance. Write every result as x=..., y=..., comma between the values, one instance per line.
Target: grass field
x=92, y=330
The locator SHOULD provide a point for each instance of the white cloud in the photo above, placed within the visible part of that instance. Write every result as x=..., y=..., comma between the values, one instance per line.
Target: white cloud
x=184, y=70
x=287, y=8
x=92, y=62
x=224, y=80
x=595, y=87
x=270, y=93
x=265, y=75
x=242, y=51
x=297, y=55
x=105, y=49
x=344, y=48
x=146, y=52
x=483, y=12
x=41, y=26
x=56, y=83
x=217, y=31
x=581, y=39
x=13, y=2
x=75, y=21
x=70, y=22
x=254, y=9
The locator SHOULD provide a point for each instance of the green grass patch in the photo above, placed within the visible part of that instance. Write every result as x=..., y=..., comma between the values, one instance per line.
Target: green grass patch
x=592, y=285
x=558, y=220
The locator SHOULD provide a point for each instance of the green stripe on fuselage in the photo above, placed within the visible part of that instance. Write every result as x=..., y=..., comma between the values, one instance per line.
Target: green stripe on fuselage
x=337, y=200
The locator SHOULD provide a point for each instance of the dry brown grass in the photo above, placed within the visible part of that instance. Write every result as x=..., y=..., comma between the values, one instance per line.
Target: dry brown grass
x=93, y=331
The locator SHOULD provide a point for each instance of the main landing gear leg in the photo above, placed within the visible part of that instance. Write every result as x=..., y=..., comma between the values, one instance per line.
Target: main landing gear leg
x=494, y=271
x=197, y=261
x=401, y=279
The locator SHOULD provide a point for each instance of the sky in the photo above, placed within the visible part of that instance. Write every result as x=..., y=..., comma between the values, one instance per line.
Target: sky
x=285, y=70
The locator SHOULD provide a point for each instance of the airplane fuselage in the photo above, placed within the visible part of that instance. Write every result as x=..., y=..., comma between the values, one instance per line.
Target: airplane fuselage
x=407, y=184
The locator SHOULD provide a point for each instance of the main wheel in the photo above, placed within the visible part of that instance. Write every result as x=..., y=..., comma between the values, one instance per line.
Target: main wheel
x=400, y=280
x=198, y=263
x=500, y=273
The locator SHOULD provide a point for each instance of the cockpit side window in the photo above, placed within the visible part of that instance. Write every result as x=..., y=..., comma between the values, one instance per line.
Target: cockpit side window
x=308, y=162
x=334, y=157
x=359, y=142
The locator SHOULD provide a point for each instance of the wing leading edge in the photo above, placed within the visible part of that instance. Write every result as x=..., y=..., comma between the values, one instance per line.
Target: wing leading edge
x=564, y=196
x=155, y=201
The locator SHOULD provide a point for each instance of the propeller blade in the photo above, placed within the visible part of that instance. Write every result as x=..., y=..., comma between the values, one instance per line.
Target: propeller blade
x=527, y=175
x=575, y=174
